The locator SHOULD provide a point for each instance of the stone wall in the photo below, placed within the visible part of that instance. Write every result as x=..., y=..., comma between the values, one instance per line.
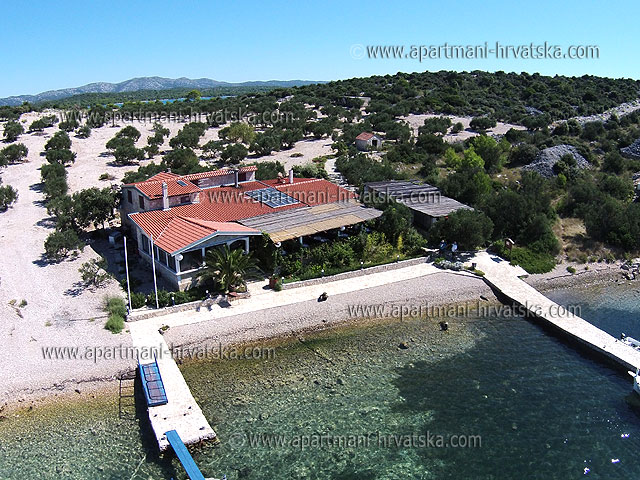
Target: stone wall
x=356, y=273
x=145, y=313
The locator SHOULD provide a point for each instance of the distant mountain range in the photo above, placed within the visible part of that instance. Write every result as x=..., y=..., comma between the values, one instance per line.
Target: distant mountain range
x=145, y=83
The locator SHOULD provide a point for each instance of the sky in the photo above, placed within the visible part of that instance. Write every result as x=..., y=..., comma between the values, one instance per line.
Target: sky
x=51, y=45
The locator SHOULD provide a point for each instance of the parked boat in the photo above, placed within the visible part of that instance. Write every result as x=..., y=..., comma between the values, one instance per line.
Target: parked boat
x=632, y=342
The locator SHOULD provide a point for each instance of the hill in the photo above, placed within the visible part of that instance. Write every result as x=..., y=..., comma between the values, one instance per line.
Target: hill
x=147, y=84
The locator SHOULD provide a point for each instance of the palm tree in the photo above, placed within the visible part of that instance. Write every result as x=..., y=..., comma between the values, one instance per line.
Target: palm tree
x=228, y=268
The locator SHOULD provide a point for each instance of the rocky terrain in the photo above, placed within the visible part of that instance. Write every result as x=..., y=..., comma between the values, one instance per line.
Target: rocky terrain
x=620, y=111
x=632, y=151
x=548, y=157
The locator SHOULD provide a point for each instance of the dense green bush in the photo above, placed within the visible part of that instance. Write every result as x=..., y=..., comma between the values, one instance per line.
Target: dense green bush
x=115, y=323
x=360, y=169
x=532, y=262
x=115, y=305
x=60, y=244
x=12, y=130
x=138, y=300
x=8, y=195
x=482, y=123
x=164, y=299
x=269, y=170
x=14, y=153
x=469, y=228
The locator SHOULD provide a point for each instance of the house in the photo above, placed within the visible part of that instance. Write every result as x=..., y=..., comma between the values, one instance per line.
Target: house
x=368, y=141
x=425, y=201
x=176, y=219
x=636, y=182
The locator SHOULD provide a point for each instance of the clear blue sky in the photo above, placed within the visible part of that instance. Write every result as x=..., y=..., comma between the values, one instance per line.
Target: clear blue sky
x=57, y=44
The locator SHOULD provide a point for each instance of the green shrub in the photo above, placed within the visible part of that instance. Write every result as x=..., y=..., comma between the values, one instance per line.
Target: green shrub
x=59, y=244
x=138, y=300
x=93, y=272
x=532, y=262
x=115, y=306
x=179, y=297
x=84, y=132
x=8, y=195
x=12, y=130
x=571, y=270
x=115, y=323
x=469, y=228
x=164, y=299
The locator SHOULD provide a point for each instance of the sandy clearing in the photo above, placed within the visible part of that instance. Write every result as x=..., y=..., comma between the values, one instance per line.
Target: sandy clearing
x=309, y=148
x=416, y=121
x=52, y=317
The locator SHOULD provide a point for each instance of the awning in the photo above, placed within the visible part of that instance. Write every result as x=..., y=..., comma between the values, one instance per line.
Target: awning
x=301, y=222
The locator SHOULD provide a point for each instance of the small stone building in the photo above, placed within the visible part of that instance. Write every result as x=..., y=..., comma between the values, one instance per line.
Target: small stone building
x=368, y=141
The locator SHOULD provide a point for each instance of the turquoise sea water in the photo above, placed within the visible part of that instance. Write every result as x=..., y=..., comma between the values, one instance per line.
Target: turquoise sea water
x=541, y=408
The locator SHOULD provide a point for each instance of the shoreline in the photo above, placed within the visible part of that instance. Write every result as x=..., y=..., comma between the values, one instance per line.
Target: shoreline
x=285, y=324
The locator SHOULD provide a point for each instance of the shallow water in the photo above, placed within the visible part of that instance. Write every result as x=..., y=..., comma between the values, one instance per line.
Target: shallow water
x=542, y=408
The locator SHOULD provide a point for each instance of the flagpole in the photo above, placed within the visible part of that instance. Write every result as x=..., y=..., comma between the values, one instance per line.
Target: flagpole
x=153, y=262
x=126, y=266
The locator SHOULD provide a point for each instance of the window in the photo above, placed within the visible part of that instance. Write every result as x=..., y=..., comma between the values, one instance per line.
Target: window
x=163, y=257
x=146, y=245
x=185, y=199
x=172, y=263
x=129, y=196
x=141, y=201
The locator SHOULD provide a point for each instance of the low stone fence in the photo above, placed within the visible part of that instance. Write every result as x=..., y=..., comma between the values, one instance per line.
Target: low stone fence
x=356, y=273
x=208, y=303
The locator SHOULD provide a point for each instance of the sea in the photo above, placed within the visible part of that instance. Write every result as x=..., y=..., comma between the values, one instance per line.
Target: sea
x=491, y=398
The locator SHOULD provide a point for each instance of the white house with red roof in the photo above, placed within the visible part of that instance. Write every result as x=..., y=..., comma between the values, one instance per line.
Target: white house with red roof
x=368, y=141
x=176, y=219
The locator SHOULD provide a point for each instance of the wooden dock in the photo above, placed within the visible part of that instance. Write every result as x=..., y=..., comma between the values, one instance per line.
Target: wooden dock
x=504, y=278
x=181, y=412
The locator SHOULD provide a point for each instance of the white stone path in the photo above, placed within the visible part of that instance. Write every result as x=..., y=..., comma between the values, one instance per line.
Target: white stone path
x=504, y=278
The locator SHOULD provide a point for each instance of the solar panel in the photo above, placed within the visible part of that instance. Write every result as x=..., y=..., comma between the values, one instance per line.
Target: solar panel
x=272, y=197
x=181, y=183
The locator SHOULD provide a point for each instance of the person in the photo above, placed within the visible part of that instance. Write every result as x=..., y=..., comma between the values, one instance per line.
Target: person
x=454, y=249
x=443, y=246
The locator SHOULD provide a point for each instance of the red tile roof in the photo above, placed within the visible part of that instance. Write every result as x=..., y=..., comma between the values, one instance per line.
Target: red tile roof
x=365, y=136
x=216, y=173
x=180, y=232
x=153, y=189
x=162, y=176
x=184, y=224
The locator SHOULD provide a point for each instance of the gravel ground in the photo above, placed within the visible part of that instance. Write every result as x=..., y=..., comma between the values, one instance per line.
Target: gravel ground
x=433, y=290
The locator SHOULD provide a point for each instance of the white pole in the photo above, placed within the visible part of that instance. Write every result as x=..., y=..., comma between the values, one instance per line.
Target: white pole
x=126, y=266
x=153, y=262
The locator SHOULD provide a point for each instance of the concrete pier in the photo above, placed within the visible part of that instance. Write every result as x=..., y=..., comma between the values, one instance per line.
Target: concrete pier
x=504, y=278
x=181, y=413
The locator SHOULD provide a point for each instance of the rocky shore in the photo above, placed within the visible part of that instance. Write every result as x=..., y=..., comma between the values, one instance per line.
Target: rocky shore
x=461, y=293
